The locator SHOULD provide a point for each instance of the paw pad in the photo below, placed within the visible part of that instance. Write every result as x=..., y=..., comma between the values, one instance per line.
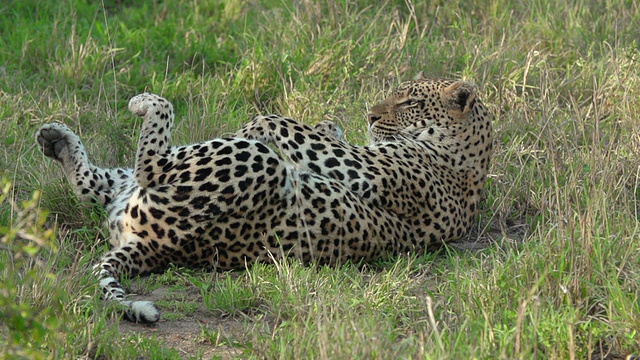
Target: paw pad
x=53, y=138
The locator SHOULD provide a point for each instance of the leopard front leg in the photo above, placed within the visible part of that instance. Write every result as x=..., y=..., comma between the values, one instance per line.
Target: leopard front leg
x=155, y=135
x=130, y=259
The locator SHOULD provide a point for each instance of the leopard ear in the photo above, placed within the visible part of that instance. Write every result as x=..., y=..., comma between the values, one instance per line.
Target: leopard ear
x=420, y=76
x=459, y=98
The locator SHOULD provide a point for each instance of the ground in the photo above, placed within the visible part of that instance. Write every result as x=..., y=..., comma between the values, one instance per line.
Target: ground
x=186, y=334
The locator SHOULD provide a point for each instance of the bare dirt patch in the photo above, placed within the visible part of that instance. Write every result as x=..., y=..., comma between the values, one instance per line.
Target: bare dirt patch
x=188, y=334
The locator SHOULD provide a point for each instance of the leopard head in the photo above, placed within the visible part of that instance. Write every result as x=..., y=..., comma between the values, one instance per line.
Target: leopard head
x=446, y=115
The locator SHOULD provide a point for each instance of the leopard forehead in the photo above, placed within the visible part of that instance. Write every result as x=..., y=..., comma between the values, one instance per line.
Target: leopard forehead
x=421, y=87
x=426, y=92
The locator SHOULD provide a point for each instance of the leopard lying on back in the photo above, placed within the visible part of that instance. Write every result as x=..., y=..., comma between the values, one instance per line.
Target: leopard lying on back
x=231, y=202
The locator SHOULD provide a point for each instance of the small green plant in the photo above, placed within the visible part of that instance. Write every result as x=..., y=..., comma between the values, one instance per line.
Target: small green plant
x=32, y=317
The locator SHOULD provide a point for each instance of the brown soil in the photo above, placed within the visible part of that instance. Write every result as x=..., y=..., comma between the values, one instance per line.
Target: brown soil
x=186, y=334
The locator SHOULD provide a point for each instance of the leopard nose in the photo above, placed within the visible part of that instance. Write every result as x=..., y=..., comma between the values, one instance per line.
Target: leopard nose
x=373, y=118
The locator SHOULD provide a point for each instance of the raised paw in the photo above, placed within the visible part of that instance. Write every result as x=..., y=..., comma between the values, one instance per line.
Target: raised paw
x=328, y=127
x=141, y=104
x=53, y=138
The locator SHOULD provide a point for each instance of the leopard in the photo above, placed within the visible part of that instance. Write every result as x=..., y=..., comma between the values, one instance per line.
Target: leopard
x=280, y=189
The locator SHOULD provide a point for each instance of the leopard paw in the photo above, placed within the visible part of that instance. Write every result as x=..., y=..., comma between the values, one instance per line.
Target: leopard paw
x=142, y=103
x=257, y=129
x=54, y=138
x=329, y=128
x=141, y=312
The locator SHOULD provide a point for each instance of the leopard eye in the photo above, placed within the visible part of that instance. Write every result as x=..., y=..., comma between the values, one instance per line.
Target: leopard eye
x=408, y=103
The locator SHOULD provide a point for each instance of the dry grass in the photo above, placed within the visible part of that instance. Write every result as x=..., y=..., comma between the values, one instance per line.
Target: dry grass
x=551, y=270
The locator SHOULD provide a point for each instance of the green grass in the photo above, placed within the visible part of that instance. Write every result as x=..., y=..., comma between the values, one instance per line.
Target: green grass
x=557, y=272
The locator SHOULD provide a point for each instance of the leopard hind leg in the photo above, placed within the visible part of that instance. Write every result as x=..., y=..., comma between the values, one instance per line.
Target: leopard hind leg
x=90, y=183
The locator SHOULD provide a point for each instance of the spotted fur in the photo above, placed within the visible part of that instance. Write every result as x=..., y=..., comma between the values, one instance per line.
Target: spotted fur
x=231, y=202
